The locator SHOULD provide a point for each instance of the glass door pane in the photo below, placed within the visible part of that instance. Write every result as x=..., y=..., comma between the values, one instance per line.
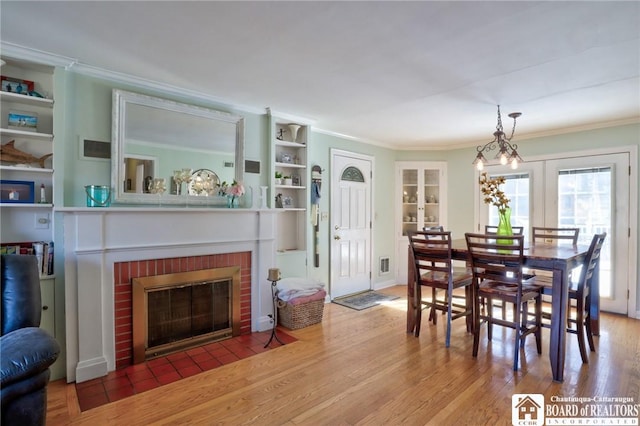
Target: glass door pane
x=589, y=192
x=592, y=193
x=431, y=191
x=584, y=201
x=517, y=190
x=409, y=200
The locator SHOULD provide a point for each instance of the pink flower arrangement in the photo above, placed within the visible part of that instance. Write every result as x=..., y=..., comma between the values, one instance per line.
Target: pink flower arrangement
x=236, y=189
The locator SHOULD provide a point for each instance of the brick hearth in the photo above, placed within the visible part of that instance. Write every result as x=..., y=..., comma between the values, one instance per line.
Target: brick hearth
x=124, y=272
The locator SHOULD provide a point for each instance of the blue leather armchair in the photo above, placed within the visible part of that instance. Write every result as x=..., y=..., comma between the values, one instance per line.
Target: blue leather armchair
x=26, y=351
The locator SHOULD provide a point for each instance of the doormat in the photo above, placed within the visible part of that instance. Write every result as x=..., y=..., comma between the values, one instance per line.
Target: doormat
x=364, y=300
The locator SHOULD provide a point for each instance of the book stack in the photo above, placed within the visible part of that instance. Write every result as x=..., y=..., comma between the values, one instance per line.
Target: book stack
x=42, y=250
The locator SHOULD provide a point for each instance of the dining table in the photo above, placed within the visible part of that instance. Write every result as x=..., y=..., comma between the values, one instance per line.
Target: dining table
x=560, y=259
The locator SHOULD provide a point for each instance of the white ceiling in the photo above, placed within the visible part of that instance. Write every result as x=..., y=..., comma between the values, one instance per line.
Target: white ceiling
x=402, y=74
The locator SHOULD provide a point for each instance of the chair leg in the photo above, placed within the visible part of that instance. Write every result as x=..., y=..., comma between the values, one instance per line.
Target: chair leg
x=449, y=314
x=469, y=307
x=587, y=323
x=523, y=322
x=476, y=322
x=432, y=312
x=490, y=318
x=516, y=351
x=580, y=331
x=417, y=297
x=538, y=332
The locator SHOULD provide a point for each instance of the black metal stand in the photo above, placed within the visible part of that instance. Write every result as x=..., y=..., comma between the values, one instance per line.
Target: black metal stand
x=274, y=316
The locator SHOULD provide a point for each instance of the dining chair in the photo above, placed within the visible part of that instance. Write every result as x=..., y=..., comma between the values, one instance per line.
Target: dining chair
x=434, y=290
x=438, y=228
x=433, y=267
x=498, y=274
x=493, y=229
x=555, y=235
x=548, y=235
x=580, y=292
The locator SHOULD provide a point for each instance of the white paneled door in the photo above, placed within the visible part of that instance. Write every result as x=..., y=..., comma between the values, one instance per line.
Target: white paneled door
x=590, y=192
x=350, y=223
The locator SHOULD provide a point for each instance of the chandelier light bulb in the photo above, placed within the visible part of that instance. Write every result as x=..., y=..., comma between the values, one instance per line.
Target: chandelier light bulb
x=514, y=164
x=479, y=165
x=503, y=159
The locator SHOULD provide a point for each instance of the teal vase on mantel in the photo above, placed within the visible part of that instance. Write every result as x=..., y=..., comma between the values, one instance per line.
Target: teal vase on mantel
x=504, y=225
x=233, y=201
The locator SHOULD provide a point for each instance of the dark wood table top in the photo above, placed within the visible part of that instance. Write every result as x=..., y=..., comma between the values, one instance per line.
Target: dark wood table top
x=541, y=255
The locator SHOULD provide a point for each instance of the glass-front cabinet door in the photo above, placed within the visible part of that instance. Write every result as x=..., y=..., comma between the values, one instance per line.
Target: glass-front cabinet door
x=420, y=193
x=421, y=203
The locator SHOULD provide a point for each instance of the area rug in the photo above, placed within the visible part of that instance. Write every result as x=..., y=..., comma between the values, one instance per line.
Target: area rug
x=364, y=300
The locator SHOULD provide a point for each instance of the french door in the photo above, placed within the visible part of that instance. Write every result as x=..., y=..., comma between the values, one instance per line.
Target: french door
x=588, y=192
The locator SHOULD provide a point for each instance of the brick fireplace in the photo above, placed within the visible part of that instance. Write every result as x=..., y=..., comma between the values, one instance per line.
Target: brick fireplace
x=104, y=248
x=125, y=272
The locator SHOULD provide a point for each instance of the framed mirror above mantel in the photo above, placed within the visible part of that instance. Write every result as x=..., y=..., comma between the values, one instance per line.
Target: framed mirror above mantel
x=154, y=138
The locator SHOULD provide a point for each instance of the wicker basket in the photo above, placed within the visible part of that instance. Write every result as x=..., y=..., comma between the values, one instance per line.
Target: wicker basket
x=302, y=315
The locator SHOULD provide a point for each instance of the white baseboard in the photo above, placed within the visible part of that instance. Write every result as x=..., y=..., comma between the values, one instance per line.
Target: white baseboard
x=91, y=369
x=384, y=284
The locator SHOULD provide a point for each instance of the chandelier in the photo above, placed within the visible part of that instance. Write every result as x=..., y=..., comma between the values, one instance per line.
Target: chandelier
x=506, y=151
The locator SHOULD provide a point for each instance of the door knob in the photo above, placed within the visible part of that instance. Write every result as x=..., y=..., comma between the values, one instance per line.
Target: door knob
x=336, y=237
x=336, y=227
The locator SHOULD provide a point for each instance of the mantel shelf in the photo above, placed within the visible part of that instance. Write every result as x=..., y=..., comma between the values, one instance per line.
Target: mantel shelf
x=27, y=205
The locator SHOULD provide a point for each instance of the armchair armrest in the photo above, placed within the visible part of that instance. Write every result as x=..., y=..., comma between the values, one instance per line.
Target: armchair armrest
x=25, y=353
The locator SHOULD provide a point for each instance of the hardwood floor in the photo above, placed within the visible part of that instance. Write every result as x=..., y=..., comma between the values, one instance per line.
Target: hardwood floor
x=361, y=367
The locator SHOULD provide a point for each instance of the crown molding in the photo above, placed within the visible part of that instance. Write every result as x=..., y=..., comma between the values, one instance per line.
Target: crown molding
x=18, y=52
x=353, y=138
x=37, y=56
x=144, y=83
x=290, y=117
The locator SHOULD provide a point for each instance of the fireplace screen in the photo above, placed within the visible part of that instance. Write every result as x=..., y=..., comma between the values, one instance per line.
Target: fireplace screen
x=187, y=312
x=176, y=311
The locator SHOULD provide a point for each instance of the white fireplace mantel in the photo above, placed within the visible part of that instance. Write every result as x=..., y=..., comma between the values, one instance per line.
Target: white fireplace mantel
x=96, y=238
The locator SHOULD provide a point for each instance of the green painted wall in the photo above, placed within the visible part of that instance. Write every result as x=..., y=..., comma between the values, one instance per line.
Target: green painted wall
x=87, y=115
x=85, y=103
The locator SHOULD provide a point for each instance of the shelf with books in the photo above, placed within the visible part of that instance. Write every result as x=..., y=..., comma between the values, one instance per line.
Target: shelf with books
x=44, y=252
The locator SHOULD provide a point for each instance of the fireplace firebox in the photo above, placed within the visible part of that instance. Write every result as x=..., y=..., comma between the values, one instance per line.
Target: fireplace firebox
x=176, y=311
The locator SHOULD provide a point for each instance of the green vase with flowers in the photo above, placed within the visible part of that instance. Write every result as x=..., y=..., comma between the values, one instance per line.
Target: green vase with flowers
x=493, y=195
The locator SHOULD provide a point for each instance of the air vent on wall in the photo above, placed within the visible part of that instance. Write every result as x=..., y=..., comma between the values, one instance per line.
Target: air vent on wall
x=384, y=265
x=251, y=166
x=95, y=149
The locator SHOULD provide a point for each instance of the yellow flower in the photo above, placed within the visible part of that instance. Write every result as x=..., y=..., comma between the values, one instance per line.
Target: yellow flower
x=490, y=188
